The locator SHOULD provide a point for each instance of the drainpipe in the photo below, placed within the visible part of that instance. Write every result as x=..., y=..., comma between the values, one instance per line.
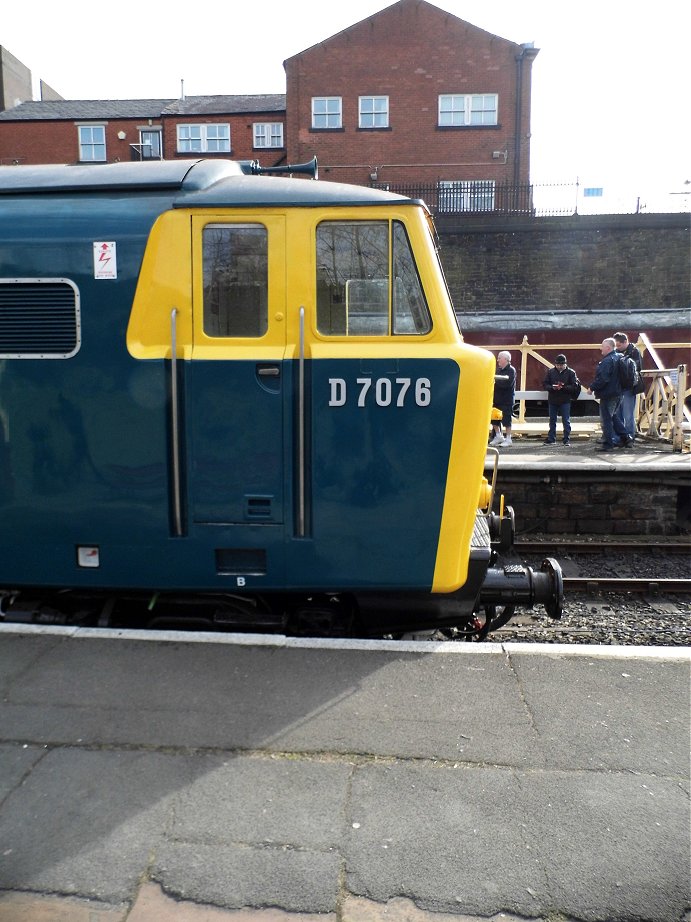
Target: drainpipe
x=527, y=54
x=518, y=119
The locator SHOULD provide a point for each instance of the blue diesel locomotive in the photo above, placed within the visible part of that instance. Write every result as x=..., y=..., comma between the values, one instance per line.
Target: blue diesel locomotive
x=239, y=401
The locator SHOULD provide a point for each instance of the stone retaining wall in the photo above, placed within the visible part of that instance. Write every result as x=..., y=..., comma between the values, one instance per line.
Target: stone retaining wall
x=577, y=263
x=574, y=504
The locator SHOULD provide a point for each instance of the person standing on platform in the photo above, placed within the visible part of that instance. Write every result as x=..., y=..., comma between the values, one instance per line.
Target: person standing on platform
x=627, y=407
x=607, y=389
x=504, y=394
x=562, y=386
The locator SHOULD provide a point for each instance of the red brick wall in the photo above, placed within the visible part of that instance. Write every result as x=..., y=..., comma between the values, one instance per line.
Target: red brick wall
x=58, y=141
x=38, y=142
x=412, y=52
x=241, y=136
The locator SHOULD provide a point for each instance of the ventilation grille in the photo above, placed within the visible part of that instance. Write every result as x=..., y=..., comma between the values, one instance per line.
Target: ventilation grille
x=39, y=318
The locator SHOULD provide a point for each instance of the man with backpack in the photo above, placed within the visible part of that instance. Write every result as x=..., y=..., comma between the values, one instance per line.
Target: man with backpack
x=607, y=388
x=631, y=382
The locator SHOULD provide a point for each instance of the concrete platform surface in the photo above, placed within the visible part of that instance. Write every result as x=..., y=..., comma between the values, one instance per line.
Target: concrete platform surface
x=209, y=778
x=528, y=452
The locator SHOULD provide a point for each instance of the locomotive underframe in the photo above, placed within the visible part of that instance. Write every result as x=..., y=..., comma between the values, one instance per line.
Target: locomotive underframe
x=493, y=590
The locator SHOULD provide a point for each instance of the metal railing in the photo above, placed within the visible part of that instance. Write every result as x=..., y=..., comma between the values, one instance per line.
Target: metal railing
x=487, y=197
x=469, y=197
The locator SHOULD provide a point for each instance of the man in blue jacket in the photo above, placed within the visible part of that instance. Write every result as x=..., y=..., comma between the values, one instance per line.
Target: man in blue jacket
x=607, y=389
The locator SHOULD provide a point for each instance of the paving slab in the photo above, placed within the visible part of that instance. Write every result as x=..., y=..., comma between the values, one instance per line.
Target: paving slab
x=290, y=698
x=86, y=822
x=592, y=712
x=501, y=839
x=201, y=780
x=27, y=907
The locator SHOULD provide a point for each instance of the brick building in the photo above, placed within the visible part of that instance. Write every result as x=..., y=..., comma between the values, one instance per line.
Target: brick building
x=410, y=94
x=105, y=131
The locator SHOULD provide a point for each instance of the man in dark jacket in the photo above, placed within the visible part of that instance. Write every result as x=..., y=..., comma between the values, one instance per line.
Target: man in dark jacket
x=562, y=386
x=607, y=389
x=627, y=407
x=504, y=392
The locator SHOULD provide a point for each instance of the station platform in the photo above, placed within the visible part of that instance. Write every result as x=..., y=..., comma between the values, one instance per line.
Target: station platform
x=529, y=452
x=228, y=778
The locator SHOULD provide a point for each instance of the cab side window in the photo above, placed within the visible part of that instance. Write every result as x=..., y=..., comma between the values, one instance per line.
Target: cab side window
x=367, y=282
x=236, y=302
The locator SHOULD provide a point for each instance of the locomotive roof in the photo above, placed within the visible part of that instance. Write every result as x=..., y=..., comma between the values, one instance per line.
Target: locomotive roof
x=201, y=183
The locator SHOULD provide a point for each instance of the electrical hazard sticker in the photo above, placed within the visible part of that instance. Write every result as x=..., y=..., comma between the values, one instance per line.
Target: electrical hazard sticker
x=88, y=556
x=105, y=260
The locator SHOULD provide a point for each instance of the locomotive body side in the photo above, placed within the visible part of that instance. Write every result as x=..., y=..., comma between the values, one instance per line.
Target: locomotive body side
x=378, y=498
x=266, y=393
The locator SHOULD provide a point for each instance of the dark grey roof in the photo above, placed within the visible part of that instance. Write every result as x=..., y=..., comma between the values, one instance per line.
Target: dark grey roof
x=55, y=109
x=218, y=105
x=86, y=109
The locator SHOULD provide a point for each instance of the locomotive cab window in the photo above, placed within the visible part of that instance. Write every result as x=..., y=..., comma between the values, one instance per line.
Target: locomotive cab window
x=367, y=281
x=235, y=258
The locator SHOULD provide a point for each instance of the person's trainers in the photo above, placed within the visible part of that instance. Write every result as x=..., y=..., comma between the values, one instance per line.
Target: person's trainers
x=567, y=444
x=549, y=442
x=505, y=443
x=497, y=440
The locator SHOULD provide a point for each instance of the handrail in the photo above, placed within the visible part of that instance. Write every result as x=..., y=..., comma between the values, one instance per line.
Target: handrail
x=175, y=425
x=301, y=523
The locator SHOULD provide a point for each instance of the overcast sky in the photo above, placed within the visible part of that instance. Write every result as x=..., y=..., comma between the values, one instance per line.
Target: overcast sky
x=610, y=84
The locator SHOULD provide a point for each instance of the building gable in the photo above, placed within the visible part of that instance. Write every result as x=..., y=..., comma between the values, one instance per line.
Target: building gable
x=406, y=24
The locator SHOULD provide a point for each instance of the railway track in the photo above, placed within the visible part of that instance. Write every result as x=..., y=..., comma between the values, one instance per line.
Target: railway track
x=614, y=553
x=616, y=584
x=595, y=546
x=628, y=591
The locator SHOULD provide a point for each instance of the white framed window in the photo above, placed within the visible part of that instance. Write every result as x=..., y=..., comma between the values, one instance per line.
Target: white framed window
x=204, y=138
x=463, y=109
x=327, y=112
x=268, y=134
x=466, y=195
x=92, y=143
x=374, y=112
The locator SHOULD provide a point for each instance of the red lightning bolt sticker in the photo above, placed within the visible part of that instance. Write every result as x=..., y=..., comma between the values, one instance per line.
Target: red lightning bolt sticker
x=105, y=260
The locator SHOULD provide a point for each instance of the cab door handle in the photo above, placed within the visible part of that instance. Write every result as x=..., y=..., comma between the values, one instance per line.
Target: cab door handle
x=268, y=371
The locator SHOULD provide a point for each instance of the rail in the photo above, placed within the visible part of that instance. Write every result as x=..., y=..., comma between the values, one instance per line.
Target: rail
x=618, y=584
x=662, y=411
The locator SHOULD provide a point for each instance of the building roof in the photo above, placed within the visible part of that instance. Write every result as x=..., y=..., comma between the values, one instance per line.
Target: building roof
x=88, y=109
x=56, y=109
x=229, y=105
